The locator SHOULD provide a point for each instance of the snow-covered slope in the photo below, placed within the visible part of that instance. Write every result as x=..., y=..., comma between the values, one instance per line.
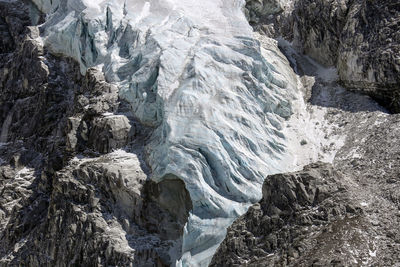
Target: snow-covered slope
x=193, y=71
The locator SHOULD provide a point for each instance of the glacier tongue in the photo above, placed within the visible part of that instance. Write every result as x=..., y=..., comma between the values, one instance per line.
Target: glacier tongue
x=194, y=72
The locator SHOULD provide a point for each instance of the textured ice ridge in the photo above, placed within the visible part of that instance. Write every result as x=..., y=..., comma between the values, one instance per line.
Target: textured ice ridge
x=192, y=70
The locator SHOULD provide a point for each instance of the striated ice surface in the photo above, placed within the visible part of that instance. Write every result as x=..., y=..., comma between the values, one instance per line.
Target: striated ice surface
x=193, y=71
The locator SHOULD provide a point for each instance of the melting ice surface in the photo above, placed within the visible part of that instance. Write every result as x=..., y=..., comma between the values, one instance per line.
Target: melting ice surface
x=193, y=71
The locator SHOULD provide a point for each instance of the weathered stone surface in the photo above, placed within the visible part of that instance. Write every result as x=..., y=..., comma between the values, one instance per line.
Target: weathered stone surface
x=369, y=52
x=99, y=212
x=61, y=202
x=361, y=38
x=96, y=96
x=101, y=134
x=320, y=24
x=110, y=132
x=283, y=227
x=358, y=37
x=272, y=18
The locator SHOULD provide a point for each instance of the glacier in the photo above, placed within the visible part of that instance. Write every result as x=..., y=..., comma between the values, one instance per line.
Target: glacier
x=195, y=72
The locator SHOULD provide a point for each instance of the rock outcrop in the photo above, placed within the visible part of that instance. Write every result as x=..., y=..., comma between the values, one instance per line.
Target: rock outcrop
x=273, y=18
x=358, y=37
x=368, y=56
x=74, y=186
x=295, y=223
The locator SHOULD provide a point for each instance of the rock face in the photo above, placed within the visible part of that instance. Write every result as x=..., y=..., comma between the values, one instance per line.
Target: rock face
x=368, y=56
x=63, y=202
x=99, y=213
x=295, y=222
x=360, y=38
x=110, y=133
x=272, y=18
x=320, y=25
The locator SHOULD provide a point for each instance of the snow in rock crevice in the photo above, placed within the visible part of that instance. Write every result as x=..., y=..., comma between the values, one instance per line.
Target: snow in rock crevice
x=194, y=72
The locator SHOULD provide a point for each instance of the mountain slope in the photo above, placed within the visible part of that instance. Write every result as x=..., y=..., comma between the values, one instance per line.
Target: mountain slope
x=134, y=133
x=199, y=80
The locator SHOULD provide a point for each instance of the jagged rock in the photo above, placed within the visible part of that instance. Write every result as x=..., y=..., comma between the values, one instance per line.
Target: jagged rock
x=14, y=18
x=6, y=41
x=319, y=25
x=360, y=38
x=98, y=213
x=102, y=134
x=57, y=209
x=72, y=133
x=96, y=96
x=110, y=133
x=260, y=8
x=368, y=55
x=296, y=210
x=272, y=18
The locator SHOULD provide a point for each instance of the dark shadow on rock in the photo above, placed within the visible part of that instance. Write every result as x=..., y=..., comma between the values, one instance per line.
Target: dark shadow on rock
x=322, y=86
x=166, y=204
x=334, y=96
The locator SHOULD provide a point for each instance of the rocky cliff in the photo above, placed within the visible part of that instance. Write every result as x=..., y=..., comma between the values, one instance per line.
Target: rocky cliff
x=65, y=198
x=358, y=37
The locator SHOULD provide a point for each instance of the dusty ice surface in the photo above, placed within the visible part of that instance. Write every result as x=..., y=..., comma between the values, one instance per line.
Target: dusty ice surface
x=193, y=71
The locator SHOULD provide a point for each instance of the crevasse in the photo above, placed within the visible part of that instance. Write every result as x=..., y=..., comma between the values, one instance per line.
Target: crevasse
x=193, y=71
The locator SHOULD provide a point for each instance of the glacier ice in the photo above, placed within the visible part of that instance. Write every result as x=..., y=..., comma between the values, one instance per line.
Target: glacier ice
x=193, y=71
